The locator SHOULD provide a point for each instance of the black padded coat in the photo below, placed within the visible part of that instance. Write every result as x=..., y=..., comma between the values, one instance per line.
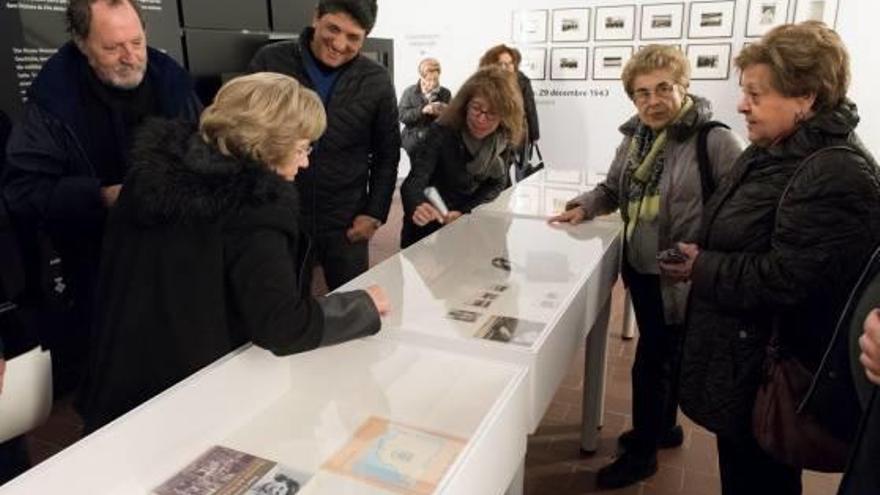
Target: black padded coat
x=789, y=268
x=202, y=254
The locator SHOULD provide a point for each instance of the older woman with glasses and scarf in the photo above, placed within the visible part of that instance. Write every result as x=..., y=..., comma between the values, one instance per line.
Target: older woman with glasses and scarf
x=465, y=154
x=656, y=182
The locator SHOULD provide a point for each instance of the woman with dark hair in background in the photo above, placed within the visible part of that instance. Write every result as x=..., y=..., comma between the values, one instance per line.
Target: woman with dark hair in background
x=780, y=248
x=509, y=58
x=466, y=153
x=421, y=104
x=203, y=252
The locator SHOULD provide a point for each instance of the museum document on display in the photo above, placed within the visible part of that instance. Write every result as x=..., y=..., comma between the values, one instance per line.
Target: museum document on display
x=225, y=471
x=396, y=457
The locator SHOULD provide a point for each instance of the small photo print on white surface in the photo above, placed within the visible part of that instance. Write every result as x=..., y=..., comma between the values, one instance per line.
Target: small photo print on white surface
x=534, y=61
x=615, y=23
x=498, y=287
x=479, y=302
x=571, y=25
x=711, y=19
x=662, y=21
x=608, y=61
x=709, y=62
x=764, y=15
x=463, y=315
x=510, y=330
x=568, y=64
x=817, y=10
x=530, y=26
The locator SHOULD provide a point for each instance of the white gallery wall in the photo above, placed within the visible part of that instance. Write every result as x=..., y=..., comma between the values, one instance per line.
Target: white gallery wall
x=579, y=107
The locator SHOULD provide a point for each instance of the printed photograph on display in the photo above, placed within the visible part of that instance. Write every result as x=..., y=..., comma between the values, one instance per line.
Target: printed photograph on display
x=568, y=64
x=615, y=23
x=555, y=198
x=526, y=199
x=817, y=10
x=530, y=26
x=533, y=63
x=608, y=61
x=511, y=330
x=662, y=21
x=676, y=45
x=764, y=15
x=571, y=25
x=709, y=61
x=711, y=19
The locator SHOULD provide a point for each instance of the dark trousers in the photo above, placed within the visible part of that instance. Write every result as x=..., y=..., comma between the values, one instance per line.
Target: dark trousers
x=341, y=260
x=13, y=459
x=656, y=367
x=747, y=470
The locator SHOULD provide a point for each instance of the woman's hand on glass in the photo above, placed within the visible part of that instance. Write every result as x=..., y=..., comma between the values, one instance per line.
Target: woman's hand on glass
x=379, y=298
x=573, y=216
x=425, y=213
x=681, y=271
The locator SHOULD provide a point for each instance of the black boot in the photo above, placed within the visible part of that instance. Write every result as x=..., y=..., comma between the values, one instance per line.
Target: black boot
x=627, y=469
x=670, y=438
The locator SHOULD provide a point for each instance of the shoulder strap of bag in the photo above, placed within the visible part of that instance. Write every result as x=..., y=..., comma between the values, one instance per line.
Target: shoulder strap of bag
x=855, y=290
x=707, y=183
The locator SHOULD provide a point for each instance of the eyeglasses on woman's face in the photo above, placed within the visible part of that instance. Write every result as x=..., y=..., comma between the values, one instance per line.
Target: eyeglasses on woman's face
x=664, y=90
x=478, y=110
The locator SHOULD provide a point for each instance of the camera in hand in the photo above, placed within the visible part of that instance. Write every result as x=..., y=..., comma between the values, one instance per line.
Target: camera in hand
x=671, y=255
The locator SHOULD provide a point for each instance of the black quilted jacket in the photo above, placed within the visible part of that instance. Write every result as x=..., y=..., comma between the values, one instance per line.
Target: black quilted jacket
x=353, y=169
x=790, y=267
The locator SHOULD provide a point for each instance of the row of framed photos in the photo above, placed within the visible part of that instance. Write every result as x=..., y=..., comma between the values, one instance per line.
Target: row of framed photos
x=708, y=62
x=707, y=19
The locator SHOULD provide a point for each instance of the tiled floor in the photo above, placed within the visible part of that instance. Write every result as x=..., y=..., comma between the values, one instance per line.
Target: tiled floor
x=554, y=465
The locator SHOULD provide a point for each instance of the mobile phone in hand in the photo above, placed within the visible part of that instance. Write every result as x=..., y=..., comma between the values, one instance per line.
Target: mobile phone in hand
x=672, y=256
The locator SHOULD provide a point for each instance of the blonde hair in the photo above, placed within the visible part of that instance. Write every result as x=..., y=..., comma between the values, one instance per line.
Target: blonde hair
x=657, y=57
x=804, y=59
x=261, y=116
x=500, y=89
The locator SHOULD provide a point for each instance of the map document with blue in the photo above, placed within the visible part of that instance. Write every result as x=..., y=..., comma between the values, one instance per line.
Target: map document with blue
x=396, y=457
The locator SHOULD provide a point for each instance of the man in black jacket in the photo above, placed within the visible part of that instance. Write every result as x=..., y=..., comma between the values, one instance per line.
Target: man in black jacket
x=346, y=192
x=67, y=154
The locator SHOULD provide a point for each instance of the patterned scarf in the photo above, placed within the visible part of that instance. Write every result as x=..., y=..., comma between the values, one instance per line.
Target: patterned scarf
x=644, y=167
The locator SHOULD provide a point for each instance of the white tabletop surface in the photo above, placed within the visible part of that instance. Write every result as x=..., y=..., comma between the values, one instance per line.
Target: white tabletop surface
x=299, y=411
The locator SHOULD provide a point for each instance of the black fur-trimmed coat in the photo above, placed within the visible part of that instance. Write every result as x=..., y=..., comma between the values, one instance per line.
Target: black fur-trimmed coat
x=202, y=254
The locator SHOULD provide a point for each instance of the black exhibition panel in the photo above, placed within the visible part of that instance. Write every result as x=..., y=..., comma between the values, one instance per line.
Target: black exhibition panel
x=226, y=14
x=215, y=56
x=291, y=16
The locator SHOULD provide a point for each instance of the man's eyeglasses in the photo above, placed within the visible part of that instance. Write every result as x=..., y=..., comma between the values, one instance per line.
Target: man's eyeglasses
x=478, y=111
x=663, y=90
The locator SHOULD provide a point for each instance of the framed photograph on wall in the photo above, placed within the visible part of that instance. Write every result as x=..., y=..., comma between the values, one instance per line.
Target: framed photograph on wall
x=530, y=26
x=534, y=61
x=709, y=61
x=817, y=10
x=764, y=15
x=571, y=25
x=712, y=19
x=608, y=61
x=675, y=45
x=662, y=21
x=615, y=23
x=568, y=64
